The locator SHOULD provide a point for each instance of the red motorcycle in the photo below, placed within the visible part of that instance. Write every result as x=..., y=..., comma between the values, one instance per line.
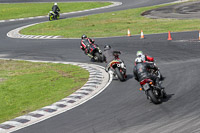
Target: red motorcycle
x=95, y=53
x=153, y=93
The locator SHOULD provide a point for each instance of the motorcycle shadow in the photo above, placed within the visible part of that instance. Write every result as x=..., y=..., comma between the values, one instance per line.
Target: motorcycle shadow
x=129, y=76
x=169, y=96
x=163, y=78
x=93, y=60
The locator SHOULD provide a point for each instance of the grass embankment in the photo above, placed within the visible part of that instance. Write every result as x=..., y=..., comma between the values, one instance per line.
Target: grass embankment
x=27, y=86
x=112, y=24
x=23, y=10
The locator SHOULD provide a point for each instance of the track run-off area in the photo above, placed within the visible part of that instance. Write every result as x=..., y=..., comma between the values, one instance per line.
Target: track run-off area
x=121, y=107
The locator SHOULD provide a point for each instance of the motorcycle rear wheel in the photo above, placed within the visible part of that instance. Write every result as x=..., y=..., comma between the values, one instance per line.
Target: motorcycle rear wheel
x=119, y=74
x=153, y=97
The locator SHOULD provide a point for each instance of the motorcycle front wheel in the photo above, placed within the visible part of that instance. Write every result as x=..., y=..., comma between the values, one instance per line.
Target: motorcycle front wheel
x=50, y=17
x=119, y=74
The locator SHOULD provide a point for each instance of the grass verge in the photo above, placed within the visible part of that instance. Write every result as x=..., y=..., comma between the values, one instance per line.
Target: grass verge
x=23, y=10
x=27, y=86
x=112, y=24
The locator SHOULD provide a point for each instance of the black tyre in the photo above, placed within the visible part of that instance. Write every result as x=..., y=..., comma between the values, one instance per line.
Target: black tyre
x=119, y=74
x=50, y=17
x=97, y=56
x=153, y=97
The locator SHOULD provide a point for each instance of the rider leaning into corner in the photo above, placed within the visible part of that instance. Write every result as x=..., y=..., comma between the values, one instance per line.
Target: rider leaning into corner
x=55, y=8
x=147, y=58
x=109, y=56
x=85, y=44
x=140, y=72
x=144, y=56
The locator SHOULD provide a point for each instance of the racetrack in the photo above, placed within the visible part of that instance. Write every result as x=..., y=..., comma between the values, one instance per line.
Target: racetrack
x=122, y=108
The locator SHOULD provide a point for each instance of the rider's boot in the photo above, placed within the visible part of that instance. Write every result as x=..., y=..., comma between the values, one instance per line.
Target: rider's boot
x=158, y=84
x=90, y=55
x=162, y=89
x=125, y=76
x=164, y=93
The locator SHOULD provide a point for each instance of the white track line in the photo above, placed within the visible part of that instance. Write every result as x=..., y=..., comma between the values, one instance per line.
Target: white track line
x=52, y=110
x=109, y=6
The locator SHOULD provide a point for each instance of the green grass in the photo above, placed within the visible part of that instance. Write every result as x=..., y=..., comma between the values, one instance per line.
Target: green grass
x=112, y=24
x=27, y=86
x=23, y=10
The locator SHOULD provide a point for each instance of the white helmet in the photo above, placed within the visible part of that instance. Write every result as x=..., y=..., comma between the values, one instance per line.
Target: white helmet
x=139, y=53
x=138, y=60
x=55, y=3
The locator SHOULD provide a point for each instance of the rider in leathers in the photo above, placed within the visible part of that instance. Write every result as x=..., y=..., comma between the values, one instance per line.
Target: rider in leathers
x=55, y=9
x=147, y=58
x=141, y=72
x=85, y=44
x=144, y=56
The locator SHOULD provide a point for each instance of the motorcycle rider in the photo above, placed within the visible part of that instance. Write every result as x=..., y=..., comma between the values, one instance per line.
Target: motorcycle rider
x=144, y=56
x=85, y=44
x=140, y=72
x=55, y=9
x=147, y=58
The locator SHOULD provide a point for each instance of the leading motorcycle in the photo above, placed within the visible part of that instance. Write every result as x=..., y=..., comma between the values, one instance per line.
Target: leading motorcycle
x=154, y=93
x=53, y=16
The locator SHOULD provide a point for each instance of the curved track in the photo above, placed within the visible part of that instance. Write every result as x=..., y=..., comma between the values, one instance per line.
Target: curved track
x=122, y=108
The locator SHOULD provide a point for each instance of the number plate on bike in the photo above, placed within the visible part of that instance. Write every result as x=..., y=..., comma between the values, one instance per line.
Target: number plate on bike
x=146, y=86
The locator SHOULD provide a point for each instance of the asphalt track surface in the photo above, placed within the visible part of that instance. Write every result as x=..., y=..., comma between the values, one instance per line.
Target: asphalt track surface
x=122, y=108
x=188, y=10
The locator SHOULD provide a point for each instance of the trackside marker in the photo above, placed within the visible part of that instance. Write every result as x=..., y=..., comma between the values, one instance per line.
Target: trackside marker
x=142, y=35
x=169, y=36
x=129, y=32
x=199, y=35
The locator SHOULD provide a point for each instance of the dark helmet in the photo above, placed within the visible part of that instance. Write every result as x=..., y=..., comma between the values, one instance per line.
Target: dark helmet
x=107, y=47
x=84, y=36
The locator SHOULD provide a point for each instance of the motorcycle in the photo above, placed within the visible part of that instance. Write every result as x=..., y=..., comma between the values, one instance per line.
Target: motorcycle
x=95, y=53
x=154, y=93
x=53, y=16
x=118, y=68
